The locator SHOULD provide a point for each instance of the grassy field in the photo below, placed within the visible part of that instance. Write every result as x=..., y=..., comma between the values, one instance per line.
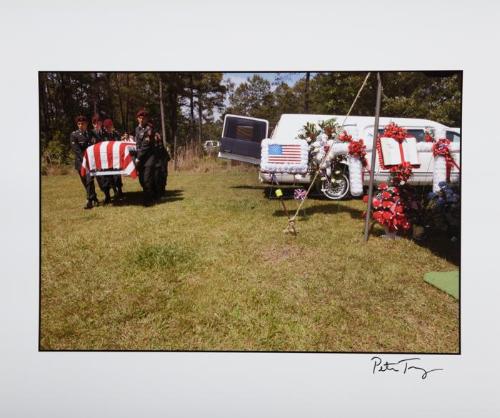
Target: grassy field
x=211, y=269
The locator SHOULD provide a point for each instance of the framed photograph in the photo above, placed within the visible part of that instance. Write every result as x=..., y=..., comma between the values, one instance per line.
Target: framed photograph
x=248, y=209
x=178, y=187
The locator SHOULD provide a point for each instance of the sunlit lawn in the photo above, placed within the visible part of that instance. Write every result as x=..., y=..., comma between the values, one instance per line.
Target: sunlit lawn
x=211, y=269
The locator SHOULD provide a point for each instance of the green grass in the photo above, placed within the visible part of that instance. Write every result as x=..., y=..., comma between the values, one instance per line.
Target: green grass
x=211, y=269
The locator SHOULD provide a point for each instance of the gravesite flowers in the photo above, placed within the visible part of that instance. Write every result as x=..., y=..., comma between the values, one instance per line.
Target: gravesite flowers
x=389, y=208
x=358, y=149
x=398, y=207
x=443, y=209
x=442, y=148
x=394, y=131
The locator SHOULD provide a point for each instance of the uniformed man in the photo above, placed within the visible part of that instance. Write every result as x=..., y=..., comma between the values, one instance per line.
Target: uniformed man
x=97, y=135
x=110, y=134
x=96, y=131
x=142, y=118
x=145, y=160
x=161, y=167
x=80, y=140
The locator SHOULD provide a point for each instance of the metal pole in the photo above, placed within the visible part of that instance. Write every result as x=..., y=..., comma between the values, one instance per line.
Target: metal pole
x=162, y=114
x=175, y=152
x=374, y=156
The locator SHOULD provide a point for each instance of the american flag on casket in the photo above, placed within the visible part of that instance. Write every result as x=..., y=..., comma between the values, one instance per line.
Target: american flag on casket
x=109, y=158
x=284, y=156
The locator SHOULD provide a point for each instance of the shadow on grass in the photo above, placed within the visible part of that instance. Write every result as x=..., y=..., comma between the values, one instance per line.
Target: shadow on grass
x=136, y=198
x=331, y=208
x=249, y=187
x=442, y=246
x=439, y=244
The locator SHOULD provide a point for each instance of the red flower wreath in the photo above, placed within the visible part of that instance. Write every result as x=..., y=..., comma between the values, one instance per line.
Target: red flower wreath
x=394, y=131
x=401, y=173
x=389, y=209
x=358, y=149
x=345, y=137
x=442, y=148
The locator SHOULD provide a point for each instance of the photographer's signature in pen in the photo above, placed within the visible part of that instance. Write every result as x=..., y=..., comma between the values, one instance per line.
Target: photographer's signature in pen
x=402, y=366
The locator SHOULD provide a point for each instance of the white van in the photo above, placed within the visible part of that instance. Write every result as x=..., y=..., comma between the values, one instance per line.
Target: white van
x=242, y=136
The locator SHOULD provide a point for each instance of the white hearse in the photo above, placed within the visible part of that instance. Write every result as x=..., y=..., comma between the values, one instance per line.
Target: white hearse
x=242, y=137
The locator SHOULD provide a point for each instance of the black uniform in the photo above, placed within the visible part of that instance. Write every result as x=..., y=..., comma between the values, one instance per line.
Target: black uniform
x=145, y=162
x=80, y=140
x=138, y=138
x=115, y=181
x=161, y=168
x=104, y=182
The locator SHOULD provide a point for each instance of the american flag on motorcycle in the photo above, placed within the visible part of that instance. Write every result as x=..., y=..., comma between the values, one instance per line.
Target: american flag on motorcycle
x=284, y=154
x=109, y=158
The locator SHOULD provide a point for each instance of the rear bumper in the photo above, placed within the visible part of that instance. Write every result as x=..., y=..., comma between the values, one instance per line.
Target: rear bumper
x=285, y=178
x=417, y=179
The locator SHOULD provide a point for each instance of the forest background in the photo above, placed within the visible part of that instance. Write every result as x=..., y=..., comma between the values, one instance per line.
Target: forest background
x=195, y=103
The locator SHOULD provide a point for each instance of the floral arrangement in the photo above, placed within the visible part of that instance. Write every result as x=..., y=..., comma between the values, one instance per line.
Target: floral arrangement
x=329, y=127
x=395, y=206
x=428, y=136
x=401, y=173
x=395, y=131
x=358, y=149
x=442, y=148
x=389, y=208
x=309, y=132
x=320, y=139
x=345, y=137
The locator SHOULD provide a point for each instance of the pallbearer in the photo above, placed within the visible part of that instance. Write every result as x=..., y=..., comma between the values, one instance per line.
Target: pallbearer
x=142, y=118
x=97, y=134
x=80, y=140
x=145, y=161
x=110, y=134
x=161, y=167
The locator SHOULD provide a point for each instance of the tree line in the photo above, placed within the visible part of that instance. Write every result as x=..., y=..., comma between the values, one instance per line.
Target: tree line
x=194, y=103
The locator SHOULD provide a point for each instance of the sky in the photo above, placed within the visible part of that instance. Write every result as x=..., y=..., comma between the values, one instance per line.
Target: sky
x=238, y=78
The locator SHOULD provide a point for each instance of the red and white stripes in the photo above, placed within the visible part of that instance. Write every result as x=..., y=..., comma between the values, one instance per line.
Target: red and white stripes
x=109, y=158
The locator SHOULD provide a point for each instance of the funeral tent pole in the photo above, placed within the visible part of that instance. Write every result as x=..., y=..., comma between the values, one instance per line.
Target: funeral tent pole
x=374, y=156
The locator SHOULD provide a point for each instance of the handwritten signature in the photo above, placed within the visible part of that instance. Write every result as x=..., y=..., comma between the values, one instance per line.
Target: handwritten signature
x=403, y=366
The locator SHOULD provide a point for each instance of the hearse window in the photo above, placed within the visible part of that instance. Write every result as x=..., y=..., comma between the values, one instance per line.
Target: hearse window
x=247, y=129
x=453, y=136
x=417, y=133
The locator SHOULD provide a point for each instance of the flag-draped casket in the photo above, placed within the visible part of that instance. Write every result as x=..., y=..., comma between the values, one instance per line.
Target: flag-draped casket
x=109, y=158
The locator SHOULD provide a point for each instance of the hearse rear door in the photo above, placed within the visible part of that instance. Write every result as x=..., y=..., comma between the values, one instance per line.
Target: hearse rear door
x=241, y=138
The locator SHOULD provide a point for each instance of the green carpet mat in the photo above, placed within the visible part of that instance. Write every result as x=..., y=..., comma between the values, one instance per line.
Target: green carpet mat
x=447, y=281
